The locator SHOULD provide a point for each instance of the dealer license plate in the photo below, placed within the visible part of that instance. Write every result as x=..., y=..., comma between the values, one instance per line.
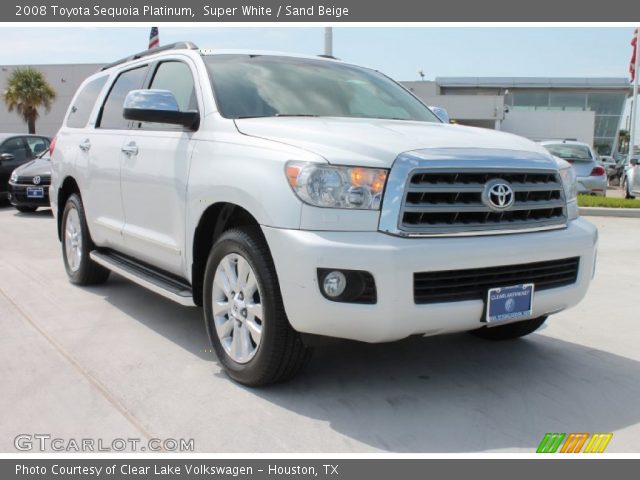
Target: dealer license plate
x=35, y=192
x=509, y=303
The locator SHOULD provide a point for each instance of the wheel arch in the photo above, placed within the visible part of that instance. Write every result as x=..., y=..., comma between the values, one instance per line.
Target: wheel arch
x=214, y=221
x=68, y=187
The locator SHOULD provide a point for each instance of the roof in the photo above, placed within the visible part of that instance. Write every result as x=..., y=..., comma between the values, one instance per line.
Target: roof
x=4, y=136
x=620, y=83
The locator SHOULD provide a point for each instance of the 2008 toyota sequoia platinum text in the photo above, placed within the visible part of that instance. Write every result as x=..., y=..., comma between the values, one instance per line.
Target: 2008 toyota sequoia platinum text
x=292, y=195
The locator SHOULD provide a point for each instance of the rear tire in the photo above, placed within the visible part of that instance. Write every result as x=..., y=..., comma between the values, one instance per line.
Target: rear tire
x=24, y=209
x=249, y=329
x=77, y=244
x=510, y=330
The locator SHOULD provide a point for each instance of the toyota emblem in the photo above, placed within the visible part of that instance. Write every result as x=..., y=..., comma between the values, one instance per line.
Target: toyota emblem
x=498, y=195
x=36, y=180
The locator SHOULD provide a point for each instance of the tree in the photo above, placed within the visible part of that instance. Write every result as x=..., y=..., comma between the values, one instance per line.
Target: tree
x=27, y=90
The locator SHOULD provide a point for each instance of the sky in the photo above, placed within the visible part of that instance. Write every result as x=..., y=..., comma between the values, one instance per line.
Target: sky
x=397, y=51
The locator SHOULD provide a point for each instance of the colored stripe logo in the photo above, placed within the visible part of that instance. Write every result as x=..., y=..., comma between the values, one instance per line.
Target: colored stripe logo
x=574, y=443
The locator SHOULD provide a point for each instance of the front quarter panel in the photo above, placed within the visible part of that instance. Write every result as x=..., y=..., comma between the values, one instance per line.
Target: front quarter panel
x=228, y=167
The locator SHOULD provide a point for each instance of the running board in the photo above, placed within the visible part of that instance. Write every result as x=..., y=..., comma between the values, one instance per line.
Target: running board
x=145, y=276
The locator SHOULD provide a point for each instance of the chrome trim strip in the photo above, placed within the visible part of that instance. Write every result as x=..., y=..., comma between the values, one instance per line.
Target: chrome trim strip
x=465, y=160
x=104, y=261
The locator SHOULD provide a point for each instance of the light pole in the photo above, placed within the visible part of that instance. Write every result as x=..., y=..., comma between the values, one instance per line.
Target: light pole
x=328, y=41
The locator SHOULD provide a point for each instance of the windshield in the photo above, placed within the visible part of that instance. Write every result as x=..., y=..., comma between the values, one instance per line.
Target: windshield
x=268, y=86
x=570, y=152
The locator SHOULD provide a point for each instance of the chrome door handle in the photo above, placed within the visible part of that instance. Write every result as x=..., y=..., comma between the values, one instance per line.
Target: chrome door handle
x=130, y=148
x=85, y=146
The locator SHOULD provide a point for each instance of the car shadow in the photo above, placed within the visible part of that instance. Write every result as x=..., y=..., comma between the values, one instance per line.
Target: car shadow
x=451, y=393
x=40, y=213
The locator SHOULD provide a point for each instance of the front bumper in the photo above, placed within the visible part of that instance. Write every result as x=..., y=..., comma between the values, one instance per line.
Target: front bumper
x=393, y=260
x=18, y=196
x=592, y=185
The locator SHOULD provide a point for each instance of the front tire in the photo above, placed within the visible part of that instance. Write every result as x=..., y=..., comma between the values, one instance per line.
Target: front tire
x=510, y=330
x=244, y=313
x=77, y=244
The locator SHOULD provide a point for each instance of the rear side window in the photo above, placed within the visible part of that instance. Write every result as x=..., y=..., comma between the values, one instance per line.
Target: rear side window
x=84, y=101
x=113, y=106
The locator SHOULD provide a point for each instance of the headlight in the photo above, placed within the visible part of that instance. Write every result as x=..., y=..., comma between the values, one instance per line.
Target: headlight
x=14, y=177
x=570, y=185
x=337, y=187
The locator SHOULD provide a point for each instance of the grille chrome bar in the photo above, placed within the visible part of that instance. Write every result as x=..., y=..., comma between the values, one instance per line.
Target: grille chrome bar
x=461, y=207
x=441, y=192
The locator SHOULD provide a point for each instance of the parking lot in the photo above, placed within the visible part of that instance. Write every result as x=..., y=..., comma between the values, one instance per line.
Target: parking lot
x=117, y=361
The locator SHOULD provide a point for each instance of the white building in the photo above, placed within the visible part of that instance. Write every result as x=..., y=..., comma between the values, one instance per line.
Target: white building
x=586, y=109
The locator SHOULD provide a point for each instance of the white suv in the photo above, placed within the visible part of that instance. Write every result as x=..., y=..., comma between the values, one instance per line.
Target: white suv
x=294, y=197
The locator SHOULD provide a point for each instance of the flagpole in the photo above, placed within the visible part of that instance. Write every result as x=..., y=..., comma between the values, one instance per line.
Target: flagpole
x=634, y=103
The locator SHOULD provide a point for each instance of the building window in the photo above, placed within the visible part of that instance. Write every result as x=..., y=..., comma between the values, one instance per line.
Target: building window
x=606, y=103
x=567, y=101
x=530, y=100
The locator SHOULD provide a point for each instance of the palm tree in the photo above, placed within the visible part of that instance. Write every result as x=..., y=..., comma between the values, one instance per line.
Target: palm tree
x=623, y=140
x=27, y=90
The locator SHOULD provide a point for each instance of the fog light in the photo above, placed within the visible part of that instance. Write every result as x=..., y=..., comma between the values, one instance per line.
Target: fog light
x=334, y=284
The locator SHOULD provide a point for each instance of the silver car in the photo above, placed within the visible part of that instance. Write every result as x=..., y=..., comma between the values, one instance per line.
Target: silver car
x=592, y=176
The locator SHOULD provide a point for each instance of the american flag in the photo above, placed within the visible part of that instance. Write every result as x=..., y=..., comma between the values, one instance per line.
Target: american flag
x=632, y=64
x=154, y=38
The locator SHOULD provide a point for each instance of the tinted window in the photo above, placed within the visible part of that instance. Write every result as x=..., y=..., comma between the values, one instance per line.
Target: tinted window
x=175, y=77
x=266, y=86
x=84, y=101
x=112, y=110
x=37, y=145
x=17, y=148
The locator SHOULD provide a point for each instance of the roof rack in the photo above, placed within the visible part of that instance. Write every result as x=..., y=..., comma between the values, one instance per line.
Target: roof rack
x=328, y=56
x=151, y=51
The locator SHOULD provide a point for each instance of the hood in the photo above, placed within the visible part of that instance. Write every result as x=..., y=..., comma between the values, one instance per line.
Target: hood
x=376, y=142
x=39, y=166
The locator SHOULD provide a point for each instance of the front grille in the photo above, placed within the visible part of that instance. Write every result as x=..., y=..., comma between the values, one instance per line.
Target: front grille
x=473, y=284
x=441, y=201
x=28, y=180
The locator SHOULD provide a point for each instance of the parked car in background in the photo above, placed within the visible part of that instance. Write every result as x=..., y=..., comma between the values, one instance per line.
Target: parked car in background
x=609, y=163
x=29, y=184
x=592, y=176
x=16, y=150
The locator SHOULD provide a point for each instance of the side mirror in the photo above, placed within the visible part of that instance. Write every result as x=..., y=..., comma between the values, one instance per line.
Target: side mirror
x=441, y=113
x=5, y=157
x=158, y=106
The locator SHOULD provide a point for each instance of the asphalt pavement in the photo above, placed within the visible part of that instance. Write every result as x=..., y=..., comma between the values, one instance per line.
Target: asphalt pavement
x=117, y=361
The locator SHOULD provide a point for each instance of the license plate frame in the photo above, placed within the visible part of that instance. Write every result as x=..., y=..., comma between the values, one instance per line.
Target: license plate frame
x=508, y=304
x=35, y=192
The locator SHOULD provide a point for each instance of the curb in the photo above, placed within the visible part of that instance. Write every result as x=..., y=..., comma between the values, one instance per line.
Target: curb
x=609, y=212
